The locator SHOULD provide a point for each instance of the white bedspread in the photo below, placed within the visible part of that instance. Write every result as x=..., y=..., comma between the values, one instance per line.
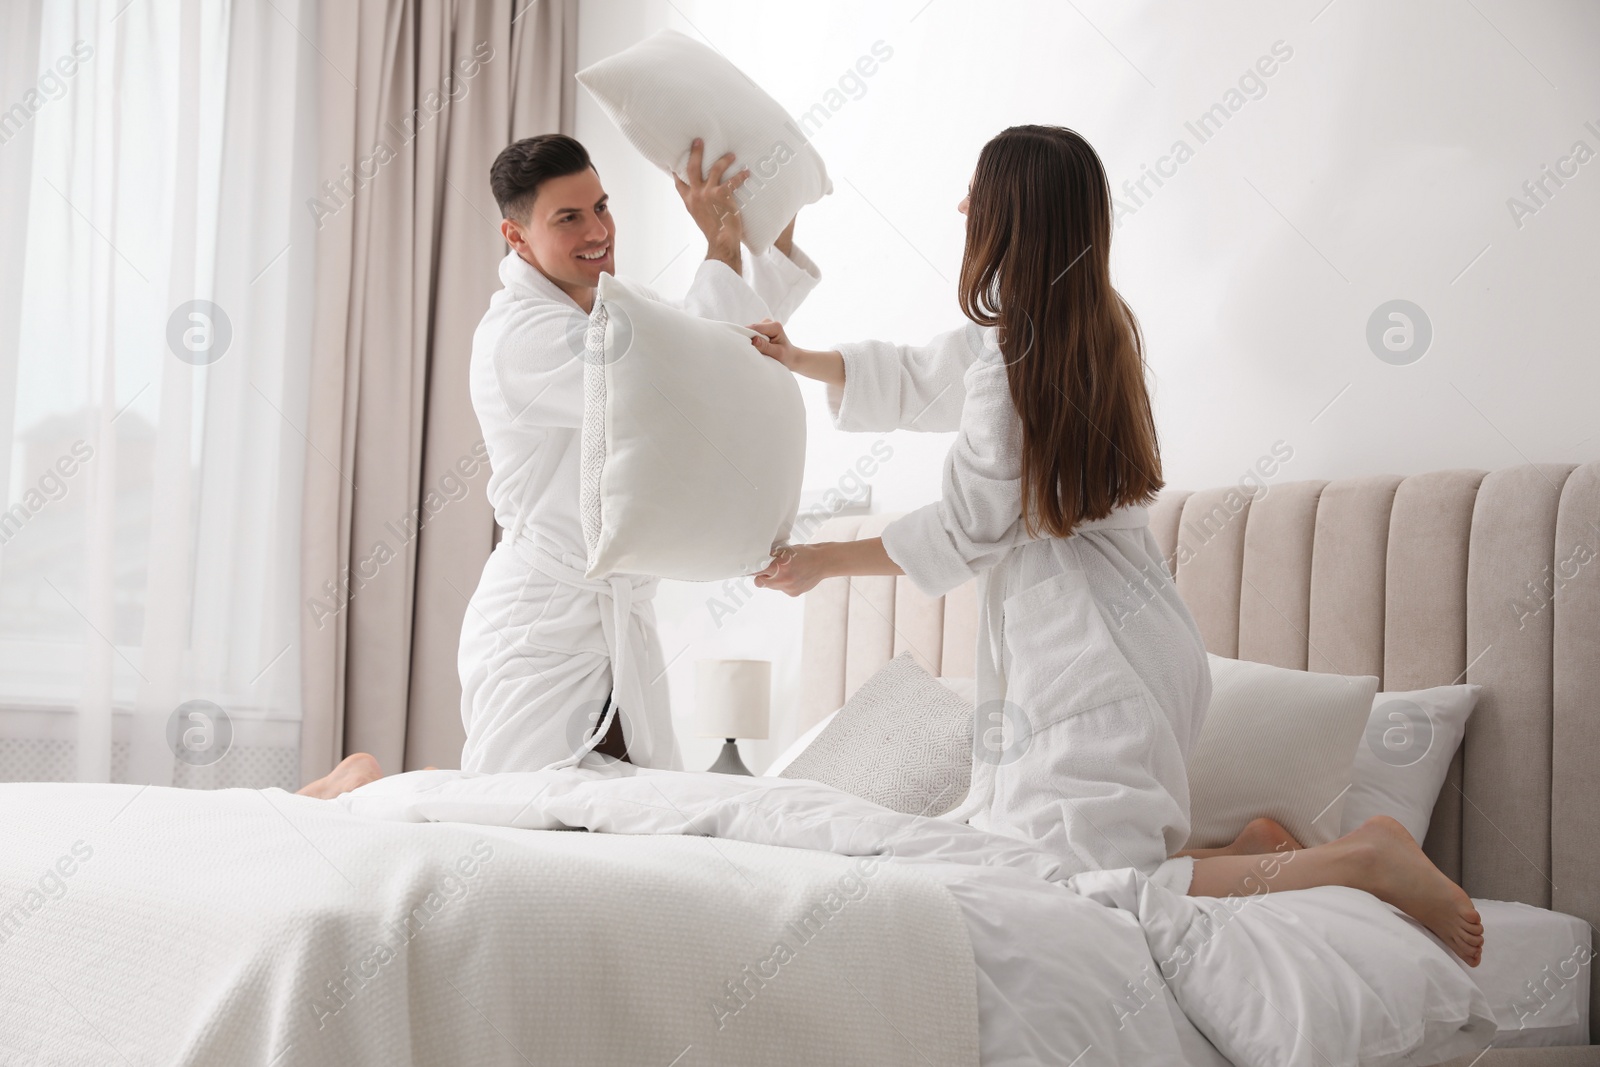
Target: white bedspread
x=243, y=927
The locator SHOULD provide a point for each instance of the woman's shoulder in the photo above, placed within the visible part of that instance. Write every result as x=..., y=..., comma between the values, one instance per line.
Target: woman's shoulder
x=1126, y=517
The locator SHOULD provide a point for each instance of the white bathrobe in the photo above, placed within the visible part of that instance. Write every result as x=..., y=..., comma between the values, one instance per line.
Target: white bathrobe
x=1092, y=679
x=539, y=639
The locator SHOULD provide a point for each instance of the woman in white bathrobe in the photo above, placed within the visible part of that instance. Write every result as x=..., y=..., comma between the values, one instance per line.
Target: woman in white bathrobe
x=545, y=650
x=1092, y=680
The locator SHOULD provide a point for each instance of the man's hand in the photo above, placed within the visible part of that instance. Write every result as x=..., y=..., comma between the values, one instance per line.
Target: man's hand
x=713, y=206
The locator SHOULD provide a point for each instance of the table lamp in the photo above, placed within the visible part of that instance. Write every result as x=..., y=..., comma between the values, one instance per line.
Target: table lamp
x=733, y=699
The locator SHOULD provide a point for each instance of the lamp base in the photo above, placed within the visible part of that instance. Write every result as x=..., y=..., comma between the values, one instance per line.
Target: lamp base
x=728, y=762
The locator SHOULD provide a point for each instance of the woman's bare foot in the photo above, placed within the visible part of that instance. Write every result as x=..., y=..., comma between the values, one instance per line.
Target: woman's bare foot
x=1263, y=835
x=1258, y=838
x=1380, y=857
x=352, y=772
x=1392, y=867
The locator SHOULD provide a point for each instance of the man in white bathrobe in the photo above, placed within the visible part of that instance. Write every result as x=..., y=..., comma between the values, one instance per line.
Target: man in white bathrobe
x=539, y=639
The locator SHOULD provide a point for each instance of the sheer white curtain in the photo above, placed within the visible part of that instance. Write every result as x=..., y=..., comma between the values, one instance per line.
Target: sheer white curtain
x=154, y=339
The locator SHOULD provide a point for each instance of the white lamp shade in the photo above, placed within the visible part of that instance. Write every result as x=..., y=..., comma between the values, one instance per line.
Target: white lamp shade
x=733, y=697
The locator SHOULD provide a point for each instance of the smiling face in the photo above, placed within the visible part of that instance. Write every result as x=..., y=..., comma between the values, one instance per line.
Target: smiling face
x=569, y=234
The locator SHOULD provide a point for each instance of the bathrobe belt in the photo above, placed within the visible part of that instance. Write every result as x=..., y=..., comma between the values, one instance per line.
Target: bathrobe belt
x=627, y=595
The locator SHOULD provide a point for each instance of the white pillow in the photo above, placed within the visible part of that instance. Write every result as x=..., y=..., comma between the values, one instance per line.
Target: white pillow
x=1275, y=742
x=965, y=688
x=800, y=744
x=693, y=443
x=1402, y=759
x=902, y=740
x=669, y=89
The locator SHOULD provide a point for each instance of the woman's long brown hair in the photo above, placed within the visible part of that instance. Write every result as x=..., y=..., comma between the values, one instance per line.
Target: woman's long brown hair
x=1038, y=266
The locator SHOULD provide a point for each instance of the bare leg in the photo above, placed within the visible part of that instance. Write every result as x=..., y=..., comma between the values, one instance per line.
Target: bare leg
x=1380, y=857
x=353, y=771
x=1259, y=837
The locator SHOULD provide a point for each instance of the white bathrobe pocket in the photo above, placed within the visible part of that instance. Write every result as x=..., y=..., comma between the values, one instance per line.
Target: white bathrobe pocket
x=1058, y=655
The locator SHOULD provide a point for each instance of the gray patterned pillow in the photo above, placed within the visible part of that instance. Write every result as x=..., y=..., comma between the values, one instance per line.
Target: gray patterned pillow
x=903, y=740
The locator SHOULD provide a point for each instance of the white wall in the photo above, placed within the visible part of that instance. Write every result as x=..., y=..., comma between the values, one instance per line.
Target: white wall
x=1377, y=162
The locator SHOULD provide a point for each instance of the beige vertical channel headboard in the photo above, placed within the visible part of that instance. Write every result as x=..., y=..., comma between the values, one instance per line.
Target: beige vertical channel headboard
x=1452, y=576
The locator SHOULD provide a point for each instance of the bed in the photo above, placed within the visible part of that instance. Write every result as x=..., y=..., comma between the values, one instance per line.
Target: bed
x=1420, y=580
x=440, y=917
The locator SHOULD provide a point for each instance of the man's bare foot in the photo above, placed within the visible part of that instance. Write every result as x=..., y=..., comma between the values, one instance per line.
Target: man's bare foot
x=1392, y=867
x=352, y=772
x=1258, y=838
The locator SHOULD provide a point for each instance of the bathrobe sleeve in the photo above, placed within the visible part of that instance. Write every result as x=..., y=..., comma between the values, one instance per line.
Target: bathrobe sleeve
x=771, y=286
x=904, y=387
x=955, y=382
x=782, y=282
x=537, y=365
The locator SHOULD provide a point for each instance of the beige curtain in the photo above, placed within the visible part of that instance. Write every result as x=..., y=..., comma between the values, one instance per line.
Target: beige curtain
x=418, y=96
x=19, y=73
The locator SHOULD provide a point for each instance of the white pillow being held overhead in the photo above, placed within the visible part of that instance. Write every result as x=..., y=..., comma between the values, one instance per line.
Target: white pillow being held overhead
x=669, y=89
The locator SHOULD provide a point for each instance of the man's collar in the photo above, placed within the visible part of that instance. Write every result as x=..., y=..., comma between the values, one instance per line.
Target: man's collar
x=517, y=273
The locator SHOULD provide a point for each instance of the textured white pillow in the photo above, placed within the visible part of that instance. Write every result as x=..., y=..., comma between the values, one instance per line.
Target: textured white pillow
x=902, y=740
x=1275, y=742
x=1402, y=760
x=799, y=745
x=669, y=89
x=693, y=443
x=965, y=688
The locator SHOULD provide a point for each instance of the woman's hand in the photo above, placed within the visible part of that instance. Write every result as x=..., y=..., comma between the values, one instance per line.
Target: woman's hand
x=713, y=205
x=771, y=340
x=795, y=569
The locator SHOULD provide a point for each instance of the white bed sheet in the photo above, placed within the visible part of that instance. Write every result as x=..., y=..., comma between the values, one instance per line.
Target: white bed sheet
x=1535, y=972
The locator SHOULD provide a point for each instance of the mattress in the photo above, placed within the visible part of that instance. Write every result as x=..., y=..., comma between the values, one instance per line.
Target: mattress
x=1535, y=972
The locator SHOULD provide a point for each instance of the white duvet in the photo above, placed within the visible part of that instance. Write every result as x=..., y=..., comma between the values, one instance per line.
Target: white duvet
x=246, y=926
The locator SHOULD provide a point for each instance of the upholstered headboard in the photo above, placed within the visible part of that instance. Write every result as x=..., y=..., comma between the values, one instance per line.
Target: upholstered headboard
x=1432, y=579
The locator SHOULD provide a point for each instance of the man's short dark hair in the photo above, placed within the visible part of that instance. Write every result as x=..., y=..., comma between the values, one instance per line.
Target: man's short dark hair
x=522, y=166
